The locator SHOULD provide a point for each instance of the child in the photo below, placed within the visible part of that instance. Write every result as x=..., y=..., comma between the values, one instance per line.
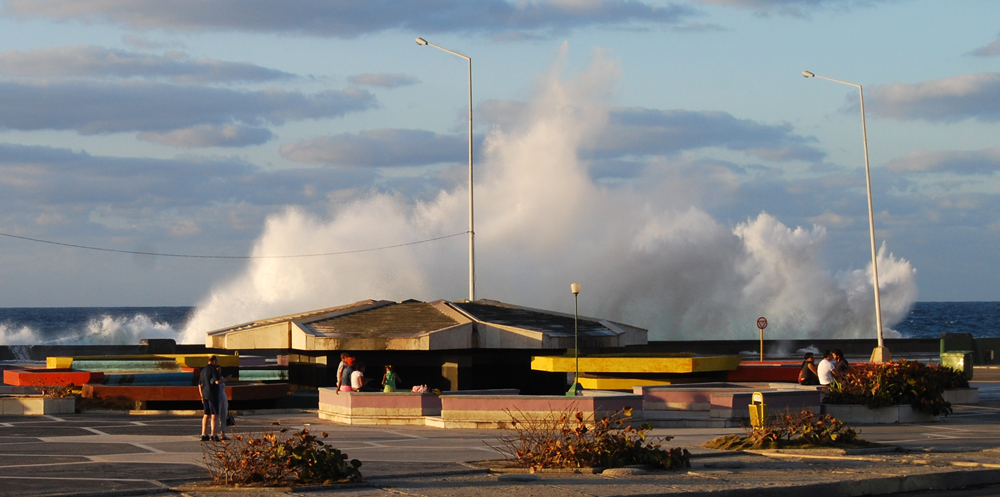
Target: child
x=389, y=380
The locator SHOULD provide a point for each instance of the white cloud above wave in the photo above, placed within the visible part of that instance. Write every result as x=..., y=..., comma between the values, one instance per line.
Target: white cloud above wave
x=629, y=132
x=100, y=62
x=348, y=19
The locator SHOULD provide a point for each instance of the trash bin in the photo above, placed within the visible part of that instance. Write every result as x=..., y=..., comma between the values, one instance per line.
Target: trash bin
x=758, y=411
x=953, y=342
x=959, y=360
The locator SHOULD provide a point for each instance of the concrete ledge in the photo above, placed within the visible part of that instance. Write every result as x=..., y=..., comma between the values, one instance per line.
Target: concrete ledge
x=494, y=408
x=735, y=405
x=962, y=396
x=858, y=414
x=369, y=404
x=36, y=405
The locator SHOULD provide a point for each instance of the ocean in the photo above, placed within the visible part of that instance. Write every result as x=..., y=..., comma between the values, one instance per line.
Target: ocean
x=129, y=325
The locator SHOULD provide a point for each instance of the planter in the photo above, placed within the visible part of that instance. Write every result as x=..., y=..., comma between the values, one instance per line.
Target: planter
x=859, y=414
x=36, y=405
x=962, y=396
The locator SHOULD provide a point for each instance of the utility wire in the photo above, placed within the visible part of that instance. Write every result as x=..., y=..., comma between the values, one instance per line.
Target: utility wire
x=191, y=256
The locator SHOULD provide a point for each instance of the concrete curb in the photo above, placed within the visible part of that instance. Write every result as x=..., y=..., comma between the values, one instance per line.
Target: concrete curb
x=266, y=490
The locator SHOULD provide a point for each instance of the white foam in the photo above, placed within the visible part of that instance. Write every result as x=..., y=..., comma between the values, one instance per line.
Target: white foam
x=644, y=252
x=103, y=330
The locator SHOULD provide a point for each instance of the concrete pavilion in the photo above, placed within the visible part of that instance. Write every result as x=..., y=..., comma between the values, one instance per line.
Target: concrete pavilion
x=449, y=345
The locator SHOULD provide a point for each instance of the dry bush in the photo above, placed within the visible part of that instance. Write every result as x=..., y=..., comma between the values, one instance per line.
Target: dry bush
x=571, y=440
x=57, y=391
x=276, y=458
x=790, y=430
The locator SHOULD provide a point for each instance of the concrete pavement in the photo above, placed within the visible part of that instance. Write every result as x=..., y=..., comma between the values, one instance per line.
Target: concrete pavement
x=117, y=454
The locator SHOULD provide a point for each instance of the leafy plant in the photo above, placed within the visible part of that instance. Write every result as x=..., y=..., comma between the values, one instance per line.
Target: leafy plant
x=898, y=383
x=571, y=440
x=791, y=430
x=276, y=458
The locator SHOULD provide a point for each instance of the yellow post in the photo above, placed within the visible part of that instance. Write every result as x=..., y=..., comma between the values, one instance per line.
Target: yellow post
x=758, y=411
x=761, y=344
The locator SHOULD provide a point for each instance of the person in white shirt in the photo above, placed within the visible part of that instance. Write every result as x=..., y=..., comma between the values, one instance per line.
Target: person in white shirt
x=825, y=369
x=358, y=380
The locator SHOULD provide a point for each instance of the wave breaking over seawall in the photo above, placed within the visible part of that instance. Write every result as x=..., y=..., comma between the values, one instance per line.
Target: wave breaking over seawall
x=646, y=252
x=89, y=326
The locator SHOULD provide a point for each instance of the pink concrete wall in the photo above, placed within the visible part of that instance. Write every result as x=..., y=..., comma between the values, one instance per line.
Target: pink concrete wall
x=393, y=400
x=536, y=403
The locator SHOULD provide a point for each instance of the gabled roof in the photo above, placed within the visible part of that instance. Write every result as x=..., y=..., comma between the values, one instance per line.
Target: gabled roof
x=415, y=325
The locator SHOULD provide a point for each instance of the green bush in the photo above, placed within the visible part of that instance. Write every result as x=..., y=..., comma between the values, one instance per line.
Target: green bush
x=898, y=383
x=275, y=458
x=573, y=441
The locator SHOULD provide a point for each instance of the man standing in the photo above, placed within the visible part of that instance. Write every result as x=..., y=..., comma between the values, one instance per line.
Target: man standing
x=208, y=383
x=825, y=369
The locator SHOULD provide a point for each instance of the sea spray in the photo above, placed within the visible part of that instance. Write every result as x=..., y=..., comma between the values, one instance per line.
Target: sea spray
x=645, y=251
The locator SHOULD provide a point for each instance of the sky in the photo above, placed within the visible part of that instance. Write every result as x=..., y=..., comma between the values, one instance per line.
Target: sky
x=234, y=129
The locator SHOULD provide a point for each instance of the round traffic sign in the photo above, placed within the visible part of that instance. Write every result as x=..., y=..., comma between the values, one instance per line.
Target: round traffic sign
x=762, y=322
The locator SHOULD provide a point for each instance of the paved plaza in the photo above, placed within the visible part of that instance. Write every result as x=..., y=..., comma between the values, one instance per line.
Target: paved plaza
x=119, y=454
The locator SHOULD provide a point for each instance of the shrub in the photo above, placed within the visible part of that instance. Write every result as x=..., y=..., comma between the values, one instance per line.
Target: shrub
x=275, y=458
x=791, y=430
x=58, y=391
x=573, y=441
x=898, y=383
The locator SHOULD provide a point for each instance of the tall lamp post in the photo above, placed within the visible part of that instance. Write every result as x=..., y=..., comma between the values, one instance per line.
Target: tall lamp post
x=576, y=388
x=472, y=231
x=881, y=353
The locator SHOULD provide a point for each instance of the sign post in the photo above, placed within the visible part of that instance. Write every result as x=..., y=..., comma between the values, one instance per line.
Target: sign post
x=761, y=324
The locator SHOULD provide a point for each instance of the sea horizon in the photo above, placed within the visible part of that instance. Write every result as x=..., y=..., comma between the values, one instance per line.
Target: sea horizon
x=123, y=325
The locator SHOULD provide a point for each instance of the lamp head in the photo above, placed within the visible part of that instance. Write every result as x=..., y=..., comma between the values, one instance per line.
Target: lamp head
x=805, y=74
x=575, y=288
x=421, y=41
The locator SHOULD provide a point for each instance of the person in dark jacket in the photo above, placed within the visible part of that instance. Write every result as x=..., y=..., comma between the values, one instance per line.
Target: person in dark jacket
x=807, y=373
x=208, y=383
x=842, y=366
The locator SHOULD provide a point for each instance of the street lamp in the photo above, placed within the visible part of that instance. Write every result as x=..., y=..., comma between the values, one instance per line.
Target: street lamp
x=881, y=353
x=472, y=231
x=576, y=389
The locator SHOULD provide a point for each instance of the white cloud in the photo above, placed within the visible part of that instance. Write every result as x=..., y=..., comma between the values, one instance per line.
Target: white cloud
x=211, y=136
x=348, y=18
x=794, y=8
x=965, y=162
x=989, y=50
x=99, y=62
x=114, y=107
x=379, y=148
x=383, y=80
x=975, y=96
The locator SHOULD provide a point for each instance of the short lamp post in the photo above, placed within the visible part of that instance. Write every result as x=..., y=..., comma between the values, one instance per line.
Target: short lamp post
x=881, y=353
x=576, y=389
